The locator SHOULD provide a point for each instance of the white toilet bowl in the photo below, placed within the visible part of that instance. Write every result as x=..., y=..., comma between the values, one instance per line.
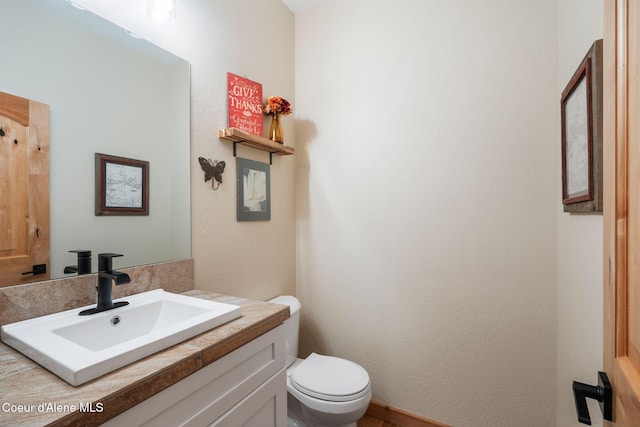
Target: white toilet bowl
x=321, y=395
x=322, y=391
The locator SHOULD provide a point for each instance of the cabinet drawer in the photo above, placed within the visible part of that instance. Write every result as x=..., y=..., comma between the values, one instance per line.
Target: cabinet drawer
x=207, y=394
x=265, y=407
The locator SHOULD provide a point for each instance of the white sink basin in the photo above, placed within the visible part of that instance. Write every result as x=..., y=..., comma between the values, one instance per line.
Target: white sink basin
x=81, y=348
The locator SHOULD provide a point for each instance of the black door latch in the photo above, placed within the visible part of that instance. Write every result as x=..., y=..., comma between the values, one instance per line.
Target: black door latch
x=37, y=269
x=603, y=393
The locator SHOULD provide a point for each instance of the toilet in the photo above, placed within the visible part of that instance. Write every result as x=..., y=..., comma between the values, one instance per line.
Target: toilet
x=322, y=391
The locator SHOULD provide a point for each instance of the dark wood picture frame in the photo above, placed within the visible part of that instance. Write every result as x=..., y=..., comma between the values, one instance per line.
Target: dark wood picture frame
x=581, y=110
x=253, y=182
x=122, y=186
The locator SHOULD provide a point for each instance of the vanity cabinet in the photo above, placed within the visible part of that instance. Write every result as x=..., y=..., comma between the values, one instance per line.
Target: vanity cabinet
x=247, y=387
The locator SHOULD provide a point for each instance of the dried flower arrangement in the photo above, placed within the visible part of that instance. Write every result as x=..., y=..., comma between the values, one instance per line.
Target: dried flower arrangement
x=277, y=106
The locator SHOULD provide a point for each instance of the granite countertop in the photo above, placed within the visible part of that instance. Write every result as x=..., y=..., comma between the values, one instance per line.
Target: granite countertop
x=32, y=396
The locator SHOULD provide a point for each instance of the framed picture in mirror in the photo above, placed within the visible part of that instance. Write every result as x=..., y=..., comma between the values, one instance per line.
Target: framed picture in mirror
x=581, y=109
x=122, y=186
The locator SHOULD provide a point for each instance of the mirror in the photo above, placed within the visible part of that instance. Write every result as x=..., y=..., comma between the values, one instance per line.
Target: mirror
x=108, y=93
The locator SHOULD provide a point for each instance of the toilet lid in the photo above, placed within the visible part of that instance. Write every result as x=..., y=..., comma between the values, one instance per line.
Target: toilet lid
x=330, y=378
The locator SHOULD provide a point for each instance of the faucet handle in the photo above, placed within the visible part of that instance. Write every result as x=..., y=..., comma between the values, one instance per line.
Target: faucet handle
x=105, y=261
x=84, y=262
x=109, y=255
x=82, y=253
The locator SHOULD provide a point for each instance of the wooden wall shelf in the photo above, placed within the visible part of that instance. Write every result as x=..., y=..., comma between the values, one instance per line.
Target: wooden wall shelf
x=238, y=136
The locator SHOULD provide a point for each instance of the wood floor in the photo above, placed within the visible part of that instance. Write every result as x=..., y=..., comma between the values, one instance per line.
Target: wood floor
x=369, y=421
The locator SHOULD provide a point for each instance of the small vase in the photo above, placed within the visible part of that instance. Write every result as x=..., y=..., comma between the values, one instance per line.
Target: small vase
x=275, y=131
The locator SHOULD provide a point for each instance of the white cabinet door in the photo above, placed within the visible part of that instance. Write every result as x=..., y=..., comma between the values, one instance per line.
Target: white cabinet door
x=265, y=407
x=211, y=392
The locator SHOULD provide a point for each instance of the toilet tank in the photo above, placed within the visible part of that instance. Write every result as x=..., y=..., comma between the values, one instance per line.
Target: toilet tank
x=291, y=325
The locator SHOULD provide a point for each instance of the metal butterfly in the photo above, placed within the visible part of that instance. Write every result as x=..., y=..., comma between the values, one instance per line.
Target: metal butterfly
x=212, y=169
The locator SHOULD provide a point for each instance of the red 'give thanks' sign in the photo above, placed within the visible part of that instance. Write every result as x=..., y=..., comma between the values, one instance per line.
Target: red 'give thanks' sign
x=245, y=104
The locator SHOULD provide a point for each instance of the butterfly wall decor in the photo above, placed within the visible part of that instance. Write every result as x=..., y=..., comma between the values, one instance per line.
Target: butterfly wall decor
x=212, y=171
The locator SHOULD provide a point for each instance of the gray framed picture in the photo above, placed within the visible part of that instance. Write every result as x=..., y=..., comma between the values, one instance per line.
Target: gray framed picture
x=253, y=180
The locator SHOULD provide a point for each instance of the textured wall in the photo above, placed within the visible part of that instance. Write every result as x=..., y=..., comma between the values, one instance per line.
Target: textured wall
x=428, y=192
x=426, y=201
x=579, y=240
x=252, y=38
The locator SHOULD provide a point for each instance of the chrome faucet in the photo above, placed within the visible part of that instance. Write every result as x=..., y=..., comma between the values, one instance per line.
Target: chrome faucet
x=106, y=276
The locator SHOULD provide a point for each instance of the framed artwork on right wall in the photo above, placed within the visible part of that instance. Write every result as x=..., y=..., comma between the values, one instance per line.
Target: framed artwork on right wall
x=581, y=109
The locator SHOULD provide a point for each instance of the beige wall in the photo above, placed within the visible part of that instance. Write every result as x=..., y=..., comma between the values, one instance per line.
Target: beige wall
x=426, y=202
x=430, y=237
x=253, y=38
x=579, y=241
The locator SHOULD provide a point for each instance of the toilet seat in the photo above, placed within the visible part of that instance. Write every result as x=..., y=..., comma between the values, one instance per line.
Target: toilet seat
x=330, y=379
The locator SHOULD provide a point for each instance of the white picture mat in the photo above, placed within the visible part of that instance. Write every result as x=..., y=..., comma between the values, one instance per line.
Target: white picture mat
x=577, y=142
x=123, y=186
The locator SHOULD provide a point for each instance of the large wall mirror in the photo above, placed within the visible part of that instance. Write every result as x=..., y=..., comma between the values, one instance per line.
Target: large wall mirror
x=108, y=93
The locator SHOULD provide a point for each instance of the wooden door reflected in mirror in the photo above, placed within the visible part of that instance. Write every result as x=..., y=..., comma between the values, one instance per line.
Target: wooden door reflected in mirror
x=24, y=190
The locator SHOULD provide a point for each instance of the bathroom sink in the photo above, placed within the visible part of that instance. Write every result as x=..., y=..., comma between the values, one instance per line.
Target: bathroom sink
x=81, y=348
